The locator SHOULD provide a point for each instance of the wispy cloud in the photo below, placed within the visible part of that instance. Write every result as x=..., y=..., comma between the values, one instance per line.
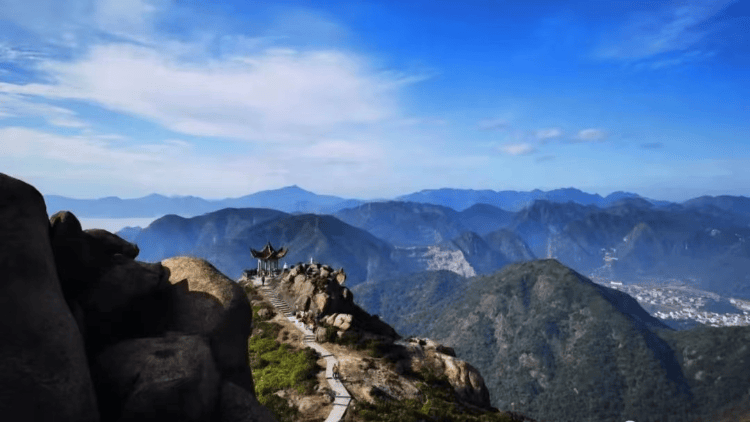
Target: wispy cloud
x=590, y=135
x=12, y=105
x=548, y=134
x=493, y=124
x=518, y=149
x=671, y=35
x=10, y=54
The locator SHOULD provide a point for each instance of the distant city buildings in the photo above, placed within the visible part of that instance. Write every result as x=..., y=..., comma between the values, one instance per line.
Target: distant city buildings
x=674, y=300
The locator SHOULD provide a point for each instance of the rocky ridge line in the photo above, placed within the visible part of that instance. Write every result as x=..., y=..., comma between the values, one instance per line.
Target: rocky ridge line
x=320, y=301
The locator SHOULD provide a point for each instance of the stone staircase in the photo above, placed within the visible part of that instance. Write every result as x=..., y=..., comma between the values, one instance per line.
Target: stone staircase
x=342, y=397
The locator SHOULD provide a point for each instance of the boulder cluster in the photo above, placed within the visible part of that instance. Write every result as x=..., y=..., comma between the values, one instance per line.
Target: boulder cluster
x=318, y=294
x=90, y=334
x=466, y=380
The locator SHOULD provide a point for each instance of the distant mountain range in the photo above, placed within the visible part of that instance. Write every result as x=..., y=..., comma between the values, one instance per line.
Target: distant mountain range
x=555, y=346
x=461, y=199
x=225, y=237
x=293, y=199
x=706, y=240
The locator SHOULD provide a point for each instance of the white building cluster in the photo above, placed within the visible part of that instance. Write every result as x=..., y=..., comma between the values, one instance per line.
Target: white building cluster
x=674, y=300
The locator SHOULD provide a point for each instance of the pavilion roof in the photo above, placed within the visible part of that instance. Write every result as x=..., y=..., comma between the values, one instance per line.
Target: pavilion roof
x=269, y=253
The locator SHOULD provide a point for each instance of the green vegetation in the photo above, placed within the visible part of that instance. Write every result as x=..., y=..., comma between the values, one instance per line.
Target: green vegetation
x=439, y=404
x=376, y=348
x=277, y=367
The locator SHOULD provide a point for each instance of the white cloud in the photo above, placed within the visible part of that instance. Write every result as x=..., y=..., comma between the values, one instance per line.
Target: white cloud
x=591, y=135
x=328, y=117
x=518, y=149
x=275, y=95
x=549, y=133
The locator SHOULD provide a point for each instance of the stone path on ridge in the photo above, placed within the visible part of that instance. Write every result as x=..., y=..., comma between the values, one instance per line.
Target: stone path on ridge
x=341, y=403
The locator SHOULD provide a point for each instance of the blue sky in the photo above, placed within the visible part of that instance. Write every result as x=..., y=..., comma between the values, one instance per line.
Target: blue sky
x=375, y=99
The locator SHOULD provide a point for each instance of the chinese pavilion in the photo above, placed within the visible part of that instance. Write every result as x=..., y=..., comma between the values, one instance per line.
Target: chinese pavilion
x=268, y=259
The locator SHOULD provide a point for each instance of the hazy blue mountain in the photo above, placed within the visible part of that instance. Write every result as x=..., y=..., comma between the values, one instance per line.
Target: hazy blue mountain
x=461, y=199
x=112, y=207
x=509, y=244
x=405, y=223
x=561, y=348
x=706, y=243
x=293, y=199
x=485, y=218
x=290, y=199
x=225, y=237
x=544, y=221
x=458, y=199
x=324, y=238
x=173, y=235
x=129, y=233
x=736, y=205
x=478, y=253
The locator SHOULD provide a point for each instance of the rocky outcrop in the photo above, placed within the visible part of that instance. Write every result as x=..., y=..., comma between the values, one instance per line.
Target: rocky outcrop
x=316, y=291
x=319, y=299
x=45, y=375
x=93, y=334
x=204, y=301
x=466, y=380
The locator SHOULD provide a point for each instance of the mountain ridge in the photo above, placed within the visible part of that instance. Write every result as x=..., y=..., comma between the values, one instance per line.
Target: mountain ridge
x=553, y=345
x=293, y=199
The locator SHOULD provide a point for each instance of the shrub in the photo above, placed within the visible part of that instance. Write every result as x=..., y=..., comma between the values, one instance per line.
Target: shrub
x=275, y=367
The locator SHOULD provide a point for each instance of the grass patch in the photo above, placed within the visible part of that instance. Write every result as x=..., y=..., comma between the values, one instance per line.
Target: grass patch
x=276, y=367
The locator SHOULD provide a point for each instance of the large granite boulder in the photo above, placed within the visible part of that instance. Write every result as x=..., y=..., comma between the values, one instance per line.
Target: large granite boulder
x=172, y=378
x=43, y=367
x=110, y=244
x=204, y=301
x=121, y=303
x=81, y=256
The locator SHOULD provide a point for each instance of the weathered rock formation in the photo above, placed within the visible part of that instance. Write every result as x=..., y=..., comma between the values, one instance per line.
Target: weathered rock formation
x=317, y=291
x=204, y=301
x=92, y=334
x=466, y=380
